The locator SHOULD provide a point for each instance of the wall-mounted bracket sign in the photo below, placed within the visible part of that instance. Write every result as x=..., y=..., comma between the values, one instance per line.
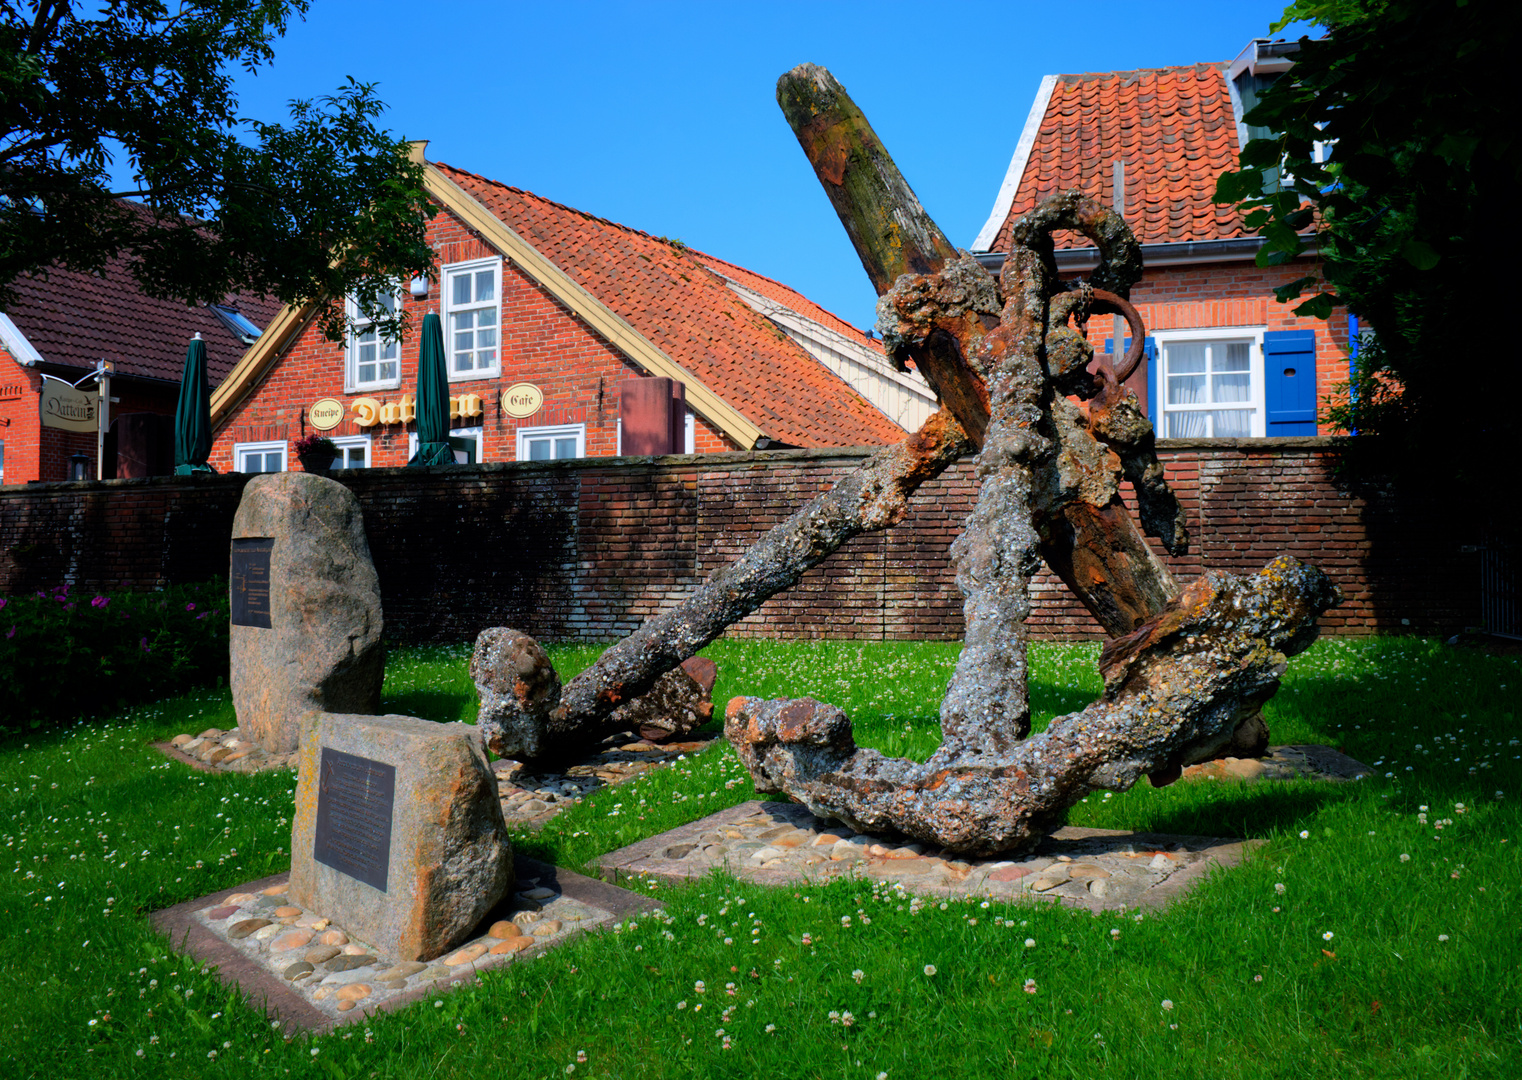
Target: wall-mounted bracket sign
x=326, y=414
x=522, y=400
x=355, y=796
x=67, y=407
x=250, y=575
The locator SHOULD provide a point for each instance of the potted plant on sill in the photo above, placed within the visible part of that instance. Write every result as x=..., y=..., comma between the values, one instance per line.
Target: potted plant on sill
x=316, y=453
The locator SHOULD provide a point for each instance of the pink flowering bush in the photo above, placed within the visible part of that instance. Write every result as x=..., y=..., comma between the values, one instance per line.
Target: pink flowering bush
x=66, y=653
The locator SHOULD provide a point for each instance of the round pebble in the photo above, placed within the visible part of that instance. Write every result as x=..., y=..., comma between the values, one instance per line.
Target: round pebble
x=241, y=898
x=321, y=955
x=437, y=971
x=294, y=940
x=239, y=930
x=354, y=991
x=547, y=928
x=300, y=967
x=345, y=1006
x=403, y=970
x=334, y=937
x=265, y=933
x=511, y=945
x=218, y=913
x=465, y=955
x=504, y=929
x=286, y=912
x=354, y=950
x=392, y=984
x=322, y=993
x=348, y=963
x=274, y=890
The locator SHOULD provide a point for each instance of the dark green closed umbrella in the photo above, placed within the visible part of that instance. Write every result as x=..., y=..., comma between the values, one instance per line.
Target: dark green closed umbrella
x=433, y=446
x=192, y=416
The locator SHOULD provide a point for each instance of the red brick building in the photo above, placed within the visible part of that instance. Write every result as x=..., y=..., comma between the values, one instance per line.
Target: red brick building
x=63, y=322
x=547, y=311
x=1224, y=358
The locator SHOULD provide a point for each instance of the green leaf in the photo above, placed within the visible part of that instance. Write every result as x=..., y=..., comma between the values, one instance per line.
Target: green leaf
x=1317, y=307
x=1420, y=254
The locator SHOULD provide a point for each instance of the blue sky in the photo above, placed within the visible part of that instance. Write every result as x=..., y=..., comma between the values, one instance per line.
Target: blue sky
x=661, y=115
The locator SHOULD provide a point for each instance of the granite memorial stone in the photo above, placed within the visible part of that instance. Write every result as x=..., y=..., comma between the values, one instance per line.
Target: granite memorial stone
x=398, y=836
x=306, y=611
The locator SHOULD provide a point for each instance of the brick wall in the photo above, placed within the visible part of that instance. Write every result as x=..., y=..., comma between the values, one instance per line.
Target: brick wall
x=587, y=549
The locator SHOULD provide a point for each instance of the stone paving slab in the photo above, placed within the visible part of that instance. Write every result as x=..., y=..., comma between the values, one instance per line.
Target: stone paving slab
x=310, y=974
x=771, y=843
x=777, y=843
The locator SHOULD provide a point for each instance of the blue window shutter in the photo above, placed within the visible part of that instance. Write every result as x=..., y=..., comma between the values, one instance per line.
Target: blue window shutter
x=1154, y=403
x=1289, y=381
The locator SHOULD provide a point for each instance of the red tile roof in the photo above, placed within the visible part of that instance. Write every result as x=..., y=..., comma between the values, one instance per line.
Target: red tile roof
x=789, y=298
x=75, y=319
x=1174, y=128
x=665, y=291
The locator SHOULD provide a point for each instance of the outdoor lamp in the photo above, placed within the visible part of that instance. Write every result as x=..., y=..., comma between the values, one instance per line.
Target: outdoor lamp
x=79, y=465
x=420, y=288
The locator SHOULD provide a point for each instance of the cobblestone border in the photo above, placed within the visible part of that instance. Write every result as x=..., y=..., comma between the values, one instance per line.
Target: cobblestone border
x=289, y=1007
x=1173, y=863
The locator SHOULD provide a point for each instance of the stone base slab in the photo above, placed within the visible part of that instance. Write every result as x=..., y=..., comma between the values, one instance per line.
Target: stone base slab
x=219, y=929
x=782, y=844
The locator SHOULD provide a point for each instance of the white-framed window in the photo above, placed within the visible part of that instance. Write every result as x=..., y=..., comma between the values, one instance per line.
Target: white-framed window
x=259, y=457
x=353, y=451
x=552, y=443
x=472, y=318
x=1210, y=384
x=468, y=456
x=372, y=362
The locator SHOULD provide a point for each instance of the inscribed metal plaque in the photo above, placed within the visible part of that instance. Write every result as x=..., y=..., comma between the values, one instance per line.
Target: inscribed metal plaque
x=354, y=800
x=250, y=576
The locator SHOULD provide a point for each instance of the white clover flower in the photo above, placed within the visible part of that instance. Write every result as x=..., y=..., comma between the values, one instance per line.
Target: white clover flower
x=858, y=975
x=1167, y=1005
x=1442, y=937
x=1405, y=858
x=1279, y=887
x=929, y=970
x=1030, y=943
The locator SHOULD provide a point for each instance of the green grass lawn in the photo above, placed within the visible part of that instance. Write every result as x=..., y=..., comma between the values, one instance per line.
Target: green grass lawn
x=1375, y=934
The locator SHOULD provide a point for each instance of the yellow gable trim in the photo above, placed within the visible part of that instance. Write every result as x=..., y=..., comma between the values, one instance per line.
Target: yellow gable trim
x=245, y=375
x=247, y=372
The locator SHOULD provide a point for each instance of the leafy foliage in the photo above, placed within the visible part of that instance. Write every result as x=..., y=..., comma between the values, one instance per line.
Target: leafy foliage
x=1410, y=214
x=63, y=654
x=309, y=211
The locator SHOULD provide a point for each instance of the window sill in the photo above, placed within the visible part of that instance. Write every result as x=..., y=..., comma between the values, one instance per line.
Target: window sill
x=476, y=376
x=1257, y=442
x=371, y=388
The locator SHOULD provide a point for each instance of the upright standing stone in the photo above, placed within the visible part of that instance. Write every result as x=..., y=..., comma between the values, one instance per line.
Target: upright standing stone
x=399, y=836
x=306, y=610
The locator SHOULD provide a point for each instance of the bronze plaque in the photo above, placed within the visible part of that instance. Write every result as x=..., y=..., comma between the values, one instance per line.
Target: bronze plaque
x=250, y=576
x=354, y=799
